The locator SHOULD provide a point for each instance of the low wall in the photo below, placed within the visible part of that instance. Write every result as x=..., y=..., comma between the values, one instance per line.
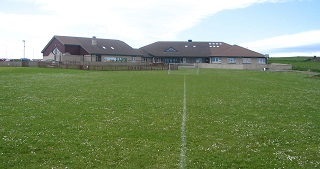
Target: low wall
x=277, y=66
x=220, y=66
x=272, y=66
x=11, y=64
x=117, y=66
x=19, y=64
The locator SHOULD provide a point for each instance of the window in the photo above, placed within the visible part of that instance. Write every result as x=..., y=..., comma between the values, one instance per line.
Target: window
x=170, y=60
x=115, y=59
x=246, y=60
x=110, y=59
x=171, y=49
x=231, y=60
x=261, y=60
x=199, y=60
x=216, y=60
x=56, y=51
x=121, y=59
x=98, y=58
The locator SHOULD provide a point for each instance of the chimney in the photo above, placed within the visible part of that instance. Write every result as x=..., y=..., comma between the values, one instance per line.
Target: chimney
x=190, y=40
x=94, y=41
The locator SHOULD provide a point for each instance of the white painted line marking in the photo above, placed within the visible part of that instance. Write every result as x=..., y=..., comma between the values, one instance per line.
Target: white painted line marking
x=183, y=128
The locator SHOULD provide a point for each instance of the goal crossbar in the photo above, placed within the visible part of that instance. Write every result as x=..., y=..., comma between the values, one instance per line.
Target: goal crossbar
x=184, y=68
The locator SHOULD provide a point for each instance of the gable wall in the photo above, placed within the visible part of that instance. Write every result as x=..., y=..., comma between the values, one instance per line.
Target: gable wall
x=54, y=44
x=72, y=49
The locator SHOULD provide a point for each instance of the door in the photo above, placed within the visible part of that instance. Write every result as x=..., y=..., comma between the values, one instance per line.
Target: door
x=98, y=58
x=184, y=60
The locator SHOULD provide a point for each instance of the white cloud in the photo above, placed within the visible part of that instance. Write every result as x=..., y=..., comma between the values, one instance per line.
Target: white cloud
x=145, y=20
x=136, y=22
x=287, y=41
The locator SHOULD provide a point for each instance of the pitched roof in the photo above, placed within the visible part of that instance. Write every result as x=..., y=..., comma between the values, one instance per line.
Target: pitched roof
x=237, y=51
x=187, y=49
x=196, y=49
x=143, y=53
x=103, y=46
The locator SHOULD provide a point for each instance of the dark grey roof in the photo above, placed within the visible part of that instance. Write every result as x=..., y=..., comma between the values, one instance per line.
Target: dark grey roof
x=238, y=51
x=196, y=49
x=103, y=46
x=183, y=49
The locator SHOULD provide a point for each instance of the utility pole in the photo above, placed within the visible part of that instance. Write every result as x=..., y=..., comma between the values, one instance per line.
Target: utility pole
x=24, y=48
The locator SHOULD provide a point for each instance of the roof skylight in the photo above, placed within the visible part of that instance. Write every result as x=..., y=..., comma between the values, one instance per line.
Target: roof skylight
x=104, y=47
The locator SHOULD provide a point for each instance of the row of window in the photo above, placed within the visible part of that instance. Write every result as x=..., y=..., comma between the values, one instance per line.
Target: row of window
x=234, y=60
x=114, y=59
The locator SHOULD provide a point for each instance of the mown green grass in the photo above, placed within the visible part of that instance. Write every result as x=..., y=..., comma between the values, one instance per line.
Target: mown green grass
x=55, y=118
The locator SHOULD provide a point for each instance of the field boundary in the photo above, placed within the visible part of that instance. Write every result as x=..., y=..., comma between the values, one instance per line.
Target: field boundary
x=109, y=66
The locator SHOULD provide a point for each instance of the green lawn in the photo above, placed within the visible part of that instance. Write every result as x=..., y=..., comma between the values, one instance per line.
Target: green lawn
x=298, y=63
x=58, y=118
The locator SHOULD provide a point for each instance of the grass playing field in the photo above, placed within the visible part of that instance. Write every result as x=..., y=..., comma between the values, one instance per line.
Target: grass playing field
x=58, y=118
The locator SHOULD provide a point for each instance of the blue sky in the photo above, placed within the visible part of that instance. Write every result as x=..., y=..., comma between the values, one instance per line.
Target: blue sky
x=275, y=27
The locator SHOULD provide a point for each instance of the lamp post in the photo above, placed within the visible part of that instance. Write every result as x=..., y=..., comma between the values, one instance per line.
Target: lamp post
x=24, y=48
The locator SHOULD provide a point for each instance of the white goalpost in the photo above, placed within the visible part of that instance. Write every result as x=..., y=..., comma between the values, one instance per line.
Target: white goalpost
x=184, y=68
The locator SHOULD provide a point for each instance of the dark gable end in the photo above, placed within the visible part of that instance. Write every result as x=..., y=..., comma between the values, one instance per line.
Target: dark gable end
x=52, y=44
